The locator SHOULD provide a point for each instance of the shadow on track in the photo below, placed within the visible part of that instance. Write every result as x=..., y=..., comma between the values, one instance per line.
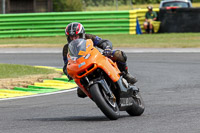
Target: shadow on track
x=75, y=118
x=71, y=118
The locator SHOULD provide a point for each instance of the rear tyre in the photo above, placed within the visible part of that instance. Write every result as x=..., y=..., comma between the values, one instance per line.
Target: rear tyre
x=138, y=105
x=106, y=104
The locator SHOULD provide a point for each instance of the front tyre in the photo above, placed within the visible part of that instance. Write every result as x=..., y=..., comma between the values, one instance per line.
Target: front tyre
x=106, y=104
x=138, y=105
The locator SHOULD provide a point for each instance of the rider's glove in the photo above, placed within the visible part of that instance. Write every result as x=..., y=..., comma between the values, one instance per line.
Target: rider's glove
x=107, y=51
x=65, y=72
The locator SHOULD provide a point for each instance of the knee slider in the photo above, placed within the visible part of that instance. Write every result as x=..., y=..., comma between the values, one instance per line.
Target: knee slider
x=120, y=56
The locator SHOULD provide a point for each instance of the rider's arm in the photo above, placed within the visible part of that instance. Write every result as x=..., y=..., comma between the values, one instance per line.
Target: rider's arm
x=104, y=44
x=99, y=42
x=94, y=38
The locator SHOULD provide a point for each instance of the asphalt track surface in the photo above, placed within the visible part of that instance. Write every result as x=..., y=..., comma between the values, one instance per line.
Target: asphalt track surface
x=169, y=84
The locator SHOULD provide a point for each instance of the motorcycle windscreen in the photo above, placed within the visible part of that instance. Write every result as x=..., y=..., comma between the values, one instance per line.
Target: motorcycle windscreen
x=77, y=48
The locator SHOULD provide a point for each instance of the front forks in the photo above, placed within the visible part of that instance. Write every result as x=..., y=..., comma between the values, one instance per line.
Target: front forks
x=104, y=86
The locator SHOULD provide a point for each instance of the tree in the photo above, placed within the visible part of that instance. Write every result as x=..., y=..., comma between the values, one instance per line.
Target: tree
x=67, y=5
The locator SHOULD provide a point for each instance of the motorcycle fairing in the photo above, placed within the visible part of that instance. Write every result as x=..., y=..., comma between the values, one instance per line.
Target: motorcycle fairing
x=82, y=66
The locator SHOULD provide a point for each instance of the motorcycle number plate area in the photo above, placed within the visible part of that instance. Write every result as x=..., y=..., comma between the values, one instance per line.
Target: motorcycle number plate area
x=80, y=65
x=126, y=101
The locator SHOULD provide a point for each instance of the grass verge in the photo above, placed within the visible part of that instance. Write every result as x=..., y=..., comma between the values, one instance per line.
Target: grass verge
x=15, y=71
x=169, y=40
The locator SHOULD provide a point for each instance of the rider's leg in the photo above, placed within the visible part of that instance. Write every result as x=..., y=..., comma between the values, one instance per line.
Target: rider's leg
x=124, y=68
x=120, y=57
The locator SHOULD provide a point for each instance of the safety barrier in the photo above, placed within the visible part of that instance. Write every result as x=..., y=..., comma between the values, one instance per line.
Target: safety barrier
x=140, y=14
x=53, y=24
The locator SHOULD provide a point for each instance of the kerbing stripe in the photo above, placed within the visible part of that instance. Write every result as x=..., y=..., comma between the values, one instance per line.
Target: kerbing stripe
x=44, y=94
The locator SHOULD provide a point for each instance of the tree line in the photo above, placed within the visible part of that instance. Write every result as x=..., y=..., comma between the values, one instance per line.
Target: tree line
x=78, y=5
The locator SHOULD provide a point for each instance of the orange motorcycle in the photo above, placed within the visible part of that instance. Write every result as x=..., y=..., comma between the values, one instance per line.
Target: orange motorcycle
x=101, y=80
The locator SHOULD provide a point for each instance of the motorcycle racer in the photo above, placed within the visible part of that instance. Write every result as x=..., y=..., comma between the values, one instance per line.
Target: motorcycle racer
x=75, y=31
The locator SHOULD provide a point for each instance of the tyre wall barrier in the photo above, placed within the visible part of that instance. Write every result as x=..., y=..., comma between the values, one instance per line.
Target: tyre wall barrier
x=180, y=20
x=54, y=23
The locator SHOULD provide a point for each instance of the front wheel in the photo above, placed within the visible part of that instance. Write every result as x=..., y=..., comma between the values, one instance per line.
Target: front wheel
x=138, y=105
x=106, y=103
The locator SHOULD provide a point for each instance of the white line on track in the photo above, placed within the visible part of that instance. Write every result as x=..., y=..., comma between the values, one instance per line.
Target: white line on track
x=44, y=94
x=161, y=50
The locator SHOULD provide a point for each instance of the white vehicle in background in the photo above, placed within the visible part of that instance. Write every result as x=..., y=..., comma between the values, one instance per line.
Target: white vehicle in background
x=175, y=3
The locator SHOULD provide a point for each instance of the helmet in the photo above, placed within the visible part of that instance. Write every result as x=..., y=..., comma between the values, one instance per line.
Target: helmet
x=75, y=29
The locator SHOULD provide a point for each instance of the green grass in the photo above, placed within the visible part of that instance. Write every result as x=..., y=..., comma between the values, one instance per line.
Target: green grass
x=175, y=40
x=15, y=71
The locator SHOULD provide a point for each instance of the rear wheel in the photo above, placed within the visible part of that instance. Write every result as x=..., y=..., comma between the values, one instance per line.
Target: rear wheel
x=138, y=105
x=107, y=104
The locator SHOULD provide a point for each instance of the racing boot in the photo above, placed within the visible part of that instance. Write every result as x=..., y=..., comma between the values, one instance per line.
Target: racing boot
x=130, y=79
x=80, y=93
x=124, y=69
